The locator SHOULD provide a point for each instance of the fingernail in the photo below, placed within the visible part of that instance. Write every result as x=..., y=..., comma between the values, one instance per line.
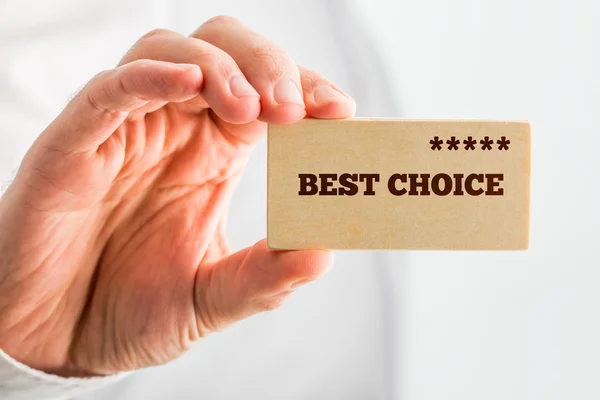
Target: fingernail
x=326, y=94
x=240, y=87
x=286, y=91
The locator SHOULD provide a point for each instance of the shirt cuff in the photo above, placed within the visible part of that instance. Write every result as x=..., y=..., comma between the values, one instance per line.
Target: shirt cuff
x=18, y=381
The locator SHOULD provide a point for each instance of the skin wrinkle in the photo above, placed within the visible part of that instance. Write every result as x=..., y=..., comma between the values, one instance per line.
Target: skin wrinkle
x=110, y=115
x=47, y=263
x=203, y=319
x=221, y=238
x=30, y=315
x=90, y=293
x=119, y=268
x=41, y=264
x=74, y=354
x=5, y=262
x=130, y=157
x=146, y=177
x=232, y=139
x=177, y=134
x=111, y=159
x=194, y=288
x=120, y=137
x=55, y=253
x=222, y=189
x=44, y=176
x=209, y=276
x=43, y=326
x=131, y=207
x=270, y=59
x=237, y=276
x=137, y=137
x=63, y=153
x=219, y=241
x=15, y=271
x=10, y=271
x=159, y=168
x=147, y=221
x=111, y=325
x=48, y=328
x=126, y=91
x=92, y=156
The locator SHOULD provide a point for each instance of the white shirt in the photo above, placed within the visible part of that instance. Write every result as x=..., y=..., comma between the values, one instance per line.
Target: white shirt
x=332, y=339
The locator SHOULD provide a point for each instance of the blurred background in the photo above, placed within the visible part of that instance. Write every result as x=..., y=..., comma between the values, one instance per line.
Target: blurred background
x=433, y=325
x=521, y=325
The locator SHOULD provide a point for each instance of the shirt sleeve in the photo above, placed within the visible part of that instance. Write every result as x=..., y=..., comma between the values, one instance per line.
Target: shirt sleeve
x=20, y=382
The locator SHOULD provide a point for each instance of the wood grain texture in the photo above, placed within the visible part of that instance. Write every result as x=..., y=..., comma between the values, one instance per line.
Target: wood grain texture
x=473, y=193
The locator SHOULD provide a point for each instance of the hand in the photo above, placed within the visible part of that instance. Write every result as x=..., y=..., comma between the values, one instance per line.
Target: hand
x=113, y=255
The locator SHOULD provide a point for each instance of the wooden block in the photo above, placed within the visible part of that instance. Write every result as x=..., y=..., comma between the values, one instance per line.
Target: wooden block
x=399, y=184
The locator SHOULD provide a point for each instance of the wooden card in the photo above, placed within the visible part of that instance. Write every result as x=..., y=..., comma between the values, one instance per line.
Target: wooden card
x=398, y=184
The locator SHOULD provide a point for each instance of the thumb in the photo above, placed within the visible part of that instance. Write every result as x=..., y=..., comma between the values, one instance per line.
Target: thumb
x=253, y=280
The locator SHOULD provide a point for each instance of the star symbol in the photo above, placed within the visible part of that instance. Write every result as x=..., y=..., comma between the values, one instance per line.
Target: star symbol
x=436, y=143
x=470, y=143
x=486, y=143
x=503, y=143
x=453, y=143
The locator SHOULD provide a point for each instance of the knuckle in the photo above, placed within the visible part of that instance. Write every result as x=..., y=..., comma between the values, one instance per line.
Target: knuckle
x=100, y=76
x=96, y=84
x=157, y=32
x=311, y=79
x=146, y=44
x=142, y=63
x=218, y=60
x=221, y=20
x=271, y=59
x=100, y=88
x=137, y=64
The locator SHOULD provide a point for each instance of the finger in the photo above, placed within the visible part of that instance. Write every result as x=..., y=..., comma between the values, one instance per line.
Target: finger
x=104, y=103
x=225, y=89
x=253, y=280
x=269, y=69
x=323, y=99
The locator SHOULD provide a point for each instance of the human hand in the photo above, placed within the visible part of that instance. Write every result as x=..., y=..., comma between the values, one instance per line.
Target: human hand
x=113, y=254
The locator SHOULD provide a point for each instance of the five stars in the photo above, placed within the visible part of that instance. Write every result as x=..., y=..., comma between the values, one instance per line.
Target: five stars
x=470, y=143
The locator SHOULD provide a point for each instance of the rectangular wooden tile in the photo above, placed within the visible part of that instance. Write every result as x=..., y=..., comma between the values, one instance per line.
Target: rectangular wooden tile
x=399, y=184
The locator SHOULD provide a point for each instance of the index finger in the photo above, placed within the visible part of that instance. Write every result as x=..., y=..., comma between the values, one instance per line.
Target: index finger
x=268, y=68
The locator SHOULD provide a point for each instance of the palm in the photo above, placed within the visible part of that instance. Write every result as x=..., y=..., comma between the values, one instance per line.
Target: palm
x=168, y=201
